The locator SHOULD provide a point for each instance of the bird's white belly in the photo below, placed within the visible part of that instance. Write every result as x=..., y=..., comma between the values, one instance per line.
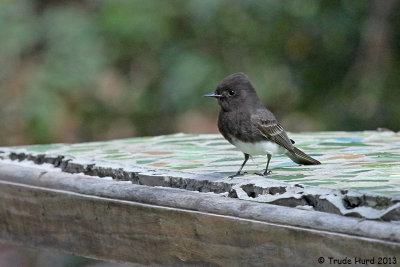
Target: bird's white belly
x=259, y=148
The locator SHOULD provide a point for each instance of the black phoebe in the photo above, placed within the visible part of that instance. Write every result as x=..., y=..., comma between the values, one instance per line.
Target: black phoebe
x=249, y=126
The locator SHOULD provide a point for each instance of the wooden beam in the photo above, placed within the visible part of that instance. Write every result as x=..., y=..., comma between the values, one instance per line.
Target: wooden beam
x=118, y=221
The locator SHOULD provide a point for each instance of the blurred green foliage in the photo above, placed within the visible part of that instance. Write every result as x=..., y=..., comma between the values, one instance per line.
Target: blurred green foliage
x=88, y=70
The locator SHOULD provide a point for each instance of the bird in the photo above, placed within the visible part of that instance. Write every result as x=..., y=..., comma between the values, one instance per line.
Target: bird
x=248, y=125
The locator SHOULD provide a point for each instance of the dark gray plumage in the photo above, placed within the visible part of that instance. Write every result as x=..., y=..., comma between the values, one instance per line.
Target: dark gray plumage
x=247, y=124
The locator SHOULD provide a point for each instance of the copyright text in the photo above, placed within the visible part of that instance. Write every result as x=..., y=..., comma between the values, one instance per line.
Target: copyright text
x=358, y=260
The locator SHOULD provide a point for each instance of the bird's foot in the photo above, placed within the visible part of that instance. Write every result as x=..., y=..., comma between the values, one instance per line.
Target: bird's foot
x=237, y=174
x=266, y=173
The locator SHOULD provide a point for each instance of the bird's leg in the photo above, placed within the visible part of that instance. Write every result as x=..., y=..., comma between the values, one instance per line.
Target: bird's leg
x=266, y=172
x=266, y=169
x=246, y=157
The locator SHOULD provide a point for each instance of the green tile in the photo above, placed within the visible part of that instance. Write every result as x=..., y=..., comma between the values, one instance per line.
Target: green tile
x=368, y=161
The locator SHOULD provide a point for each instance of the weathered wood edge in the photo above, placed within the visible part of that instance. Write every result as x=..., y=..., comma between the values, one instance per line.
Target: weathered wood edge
x=127, y=231
x=344, y=202
x=202, y=202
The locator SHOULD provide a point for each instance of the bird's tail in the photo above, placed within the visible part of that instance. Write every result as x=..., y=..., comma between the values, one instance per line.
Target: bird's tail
x=300, y=157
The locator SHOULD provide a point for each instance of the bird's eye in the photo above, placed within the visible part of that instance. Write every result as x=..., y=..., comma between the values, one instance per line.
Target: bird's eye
x=231, y=92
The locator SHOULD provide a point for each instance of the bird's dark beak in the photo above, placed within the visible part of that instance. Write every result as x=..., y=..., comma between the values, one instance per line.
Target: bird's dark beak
x=212, y=95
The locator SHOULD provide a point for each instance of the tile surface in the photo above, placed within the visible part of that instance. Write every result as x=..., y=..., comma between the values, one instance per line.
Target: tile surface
x=367, y=161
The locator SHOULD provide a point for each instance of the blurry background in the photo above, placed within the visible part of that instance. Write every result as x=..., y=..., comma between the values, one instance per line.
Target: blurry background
x=73, y=71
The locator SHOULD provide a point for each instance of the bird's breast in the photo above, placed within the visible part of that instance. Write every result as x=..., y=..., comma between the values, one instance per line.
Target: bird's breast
x=258, y=148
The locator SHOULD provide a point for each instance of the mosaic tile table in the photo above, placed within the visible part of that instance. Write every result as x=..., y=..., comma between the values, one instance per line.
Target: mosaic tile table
x=359, y=177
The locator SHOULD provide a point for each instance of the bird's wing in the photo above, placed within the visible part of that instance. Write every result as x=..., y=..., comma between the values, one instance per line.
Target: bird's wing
x=273, y=131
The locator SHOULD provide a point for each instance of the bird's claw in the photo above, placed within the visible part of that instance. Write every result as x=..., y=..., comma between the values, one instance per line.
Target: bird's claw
x=264, y=173
x=237, y=174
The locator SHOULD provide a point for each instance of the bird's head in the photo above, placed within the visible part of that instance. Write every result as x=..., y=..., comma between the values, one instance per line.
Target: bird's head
x=235, y=91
